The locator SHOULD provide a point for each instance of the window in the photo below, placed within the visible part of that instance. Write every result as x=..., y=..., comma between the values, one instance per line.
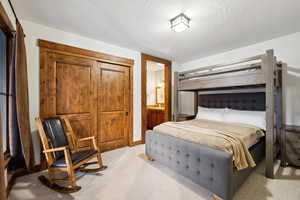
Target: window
x=3, y=87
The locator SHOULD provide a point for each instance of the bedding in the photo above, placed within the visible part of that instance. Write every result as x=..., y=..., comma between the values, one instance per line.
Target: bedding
x=216, y=114
x=256, y=118
x=229, y=137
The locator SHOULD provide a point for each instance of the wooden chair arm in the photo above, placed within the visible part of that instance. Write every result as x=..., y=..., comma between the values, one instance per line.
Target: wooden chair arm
x=66, y=153
x=55, y=149
x=87, y=138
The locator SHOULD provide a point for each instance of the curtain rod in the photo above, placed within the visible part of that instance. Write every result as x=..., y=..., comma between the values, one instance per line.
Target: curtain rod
x=14, y=12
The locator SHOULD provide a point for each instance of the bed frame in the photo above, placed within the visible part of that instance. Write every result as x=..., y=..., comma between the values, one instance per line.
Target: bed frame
x=210, y=168
x=255, y=83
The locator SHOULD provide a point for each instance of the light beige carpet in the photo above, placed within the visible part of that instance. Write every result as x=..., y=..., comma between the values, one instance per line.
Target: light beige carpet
x=131, y=177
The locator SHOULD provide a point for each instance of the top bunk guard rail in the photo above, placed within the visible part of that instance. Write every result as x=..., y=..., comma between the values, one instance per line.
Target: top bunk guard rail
x=258, y=71
x=245, y=60
x=244, y=72
x=219, y=70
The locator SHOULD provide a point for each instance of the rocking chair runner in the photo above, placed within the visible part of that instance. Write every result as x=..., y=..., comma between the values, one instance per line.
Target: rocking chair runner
x=63, y=153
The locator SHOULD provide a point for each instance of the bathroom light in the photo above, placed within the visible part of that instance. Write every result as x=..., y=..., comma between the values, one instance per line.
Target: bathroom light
x=180, y=23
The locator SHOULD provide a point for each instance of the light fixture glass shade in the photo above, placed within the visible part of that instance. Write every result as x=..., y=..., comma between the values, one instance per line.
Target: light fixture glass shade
x=180, y=23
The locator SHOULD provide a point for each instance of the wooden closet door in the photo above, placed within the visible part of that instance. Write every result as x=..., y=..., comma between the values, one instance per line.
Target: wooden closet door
x=72, y=83
x=113, y=106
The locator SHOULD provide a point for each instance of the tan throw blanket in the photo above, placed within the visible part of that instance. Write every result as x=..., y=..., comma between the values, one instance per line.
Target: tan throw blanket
x=228, y=137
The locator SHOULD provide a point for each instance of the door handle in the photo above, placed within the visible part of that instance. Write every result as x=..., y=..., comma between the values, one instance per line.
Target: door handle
x=126, y=113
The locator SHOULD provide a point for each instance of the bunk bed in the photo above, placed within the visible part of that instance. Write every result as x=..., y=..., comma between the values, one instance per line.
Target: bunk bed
x=256, y=83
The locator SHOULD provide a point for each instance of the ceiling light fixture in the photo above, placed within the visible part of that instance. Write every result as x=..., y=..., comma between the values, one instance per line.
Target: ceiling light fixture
x=180, y=23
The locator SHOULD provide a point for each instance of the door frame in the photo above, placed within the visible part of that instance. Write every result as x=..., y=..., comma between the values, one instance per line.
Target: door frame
x=47, y=47
x=168, y=88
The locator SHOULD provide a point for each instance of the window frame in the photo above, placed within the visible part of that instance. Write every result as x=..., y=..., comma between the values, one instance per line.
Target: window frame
x=9, y=30
x=5, y=93
x=7, y=27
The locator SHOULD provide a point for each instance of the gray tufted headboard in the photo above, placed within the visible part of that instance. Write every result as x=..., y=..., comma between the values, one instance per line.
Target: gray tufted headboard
x=255, y=101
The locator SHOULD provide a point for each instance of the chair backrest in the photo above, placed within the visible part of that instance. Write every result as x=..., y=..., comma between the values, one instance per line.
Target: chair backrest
x=56, y=133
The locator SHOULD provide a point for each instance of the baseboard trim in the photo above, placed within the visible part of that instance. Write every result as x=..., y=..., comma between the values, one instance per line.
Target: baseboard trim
x=134, y=143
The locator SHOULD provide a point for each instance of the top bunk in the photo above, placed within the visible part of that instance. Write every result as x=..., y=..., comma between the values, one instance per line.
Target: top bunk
x=253, y=71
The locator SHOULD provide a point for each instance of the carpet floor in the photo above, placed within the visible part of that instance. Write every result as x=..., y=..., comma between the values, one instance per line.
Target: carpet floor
x=130, y=176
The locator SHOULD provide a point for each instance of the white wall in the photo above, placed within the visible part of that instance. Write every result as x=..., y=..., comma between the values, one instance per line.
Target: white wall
x=286, y=48
x=35, y=31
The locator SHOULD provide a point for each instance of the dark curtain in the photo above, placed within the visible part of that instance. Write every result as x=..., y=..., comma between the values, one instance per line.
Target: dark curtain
x=15, y=146
x=20, y=138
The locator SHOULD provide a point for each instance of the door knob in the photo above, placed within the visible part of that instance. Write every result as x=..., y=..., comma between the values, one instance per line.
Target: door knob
x=126, y=113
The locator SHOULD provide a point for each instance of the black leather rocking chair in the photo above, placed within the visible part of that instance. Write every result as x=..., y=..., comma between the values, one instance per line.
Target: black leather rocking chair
x=63, y=153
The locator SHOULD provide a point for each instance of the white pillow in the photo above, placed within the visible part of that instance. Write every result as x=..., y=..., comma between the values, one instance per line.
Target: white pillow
x=215, y=114
x=253, y=118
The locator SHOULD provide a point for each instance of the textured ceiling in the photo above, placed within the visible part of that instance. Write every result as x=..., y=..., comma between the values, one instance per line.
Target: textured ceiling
x=143, y=25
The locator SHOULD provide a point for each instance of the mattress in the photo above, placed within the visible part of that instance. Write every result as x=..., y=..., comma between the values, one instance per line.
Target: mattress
x=229, y=137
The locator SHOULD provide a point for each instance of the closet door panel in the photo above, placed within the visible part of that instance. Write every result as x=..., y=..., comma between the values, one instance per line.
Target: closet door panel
x=72, y=92
x=113, y=106
x=112, y=122
x=73, y=86
x=112, y=85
